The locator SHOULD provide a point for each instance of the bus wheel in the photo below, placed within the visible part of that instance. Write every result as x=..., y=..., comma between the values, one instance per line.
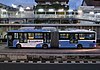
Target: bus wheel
x=79, y=46
x=44, y=46
x=18, y=46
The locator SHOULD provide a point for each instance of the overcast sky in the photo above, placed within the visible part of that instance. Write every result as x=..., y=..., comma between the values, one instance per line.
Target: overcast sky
x=74, y=4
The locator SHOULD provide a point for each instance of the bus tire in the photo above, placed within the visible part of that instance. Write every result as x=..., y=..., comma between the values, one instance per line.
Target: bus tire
x=18, y=46
x=44, y=46
x=79, y=46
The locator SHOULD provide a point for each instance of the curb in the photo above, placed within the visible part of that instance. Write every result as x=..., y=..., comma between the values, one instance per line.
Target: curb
x=53, y=62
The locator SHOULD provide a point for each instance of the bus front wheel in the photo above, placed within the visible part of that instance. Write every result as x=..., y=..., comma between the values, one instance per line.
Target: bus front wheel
x=18, y=46
x=44, y=46
x=79, y=46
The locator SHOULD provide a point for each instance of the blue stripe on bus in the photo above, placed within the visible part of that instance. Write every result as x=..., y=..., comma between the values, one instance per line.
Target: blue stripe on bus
x=85, y=44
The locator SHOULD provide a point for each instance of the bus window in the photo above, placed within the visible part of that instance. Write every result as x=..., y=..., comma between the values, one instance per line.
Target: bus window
x=25, y=37
x=30, y=36
x=22, y=37
x=64, y=36
x=90, y=36
x=87, y=36
x=73, y=38
x=81, y=36
x=10, y=39
x=46, y=38
x=38, y=35
x=16, y=35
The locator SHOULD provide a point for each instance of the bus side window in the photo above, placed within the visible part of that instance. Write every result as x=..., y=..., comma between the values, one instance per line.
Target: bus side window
x=22, y=37
x=25, y=37
x=64, y=36
x=81, y=36
x=89, y=36
x=16, y=35
x=76, y=36
x=73, y=38
x=92, y=36
x=30, y=36
x=39, y=35
x=48, y=37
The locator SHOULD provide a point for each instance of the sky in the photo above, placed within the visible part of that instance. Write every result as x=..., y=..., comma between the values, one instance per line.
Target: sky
x=17, y=2
x=73, y=4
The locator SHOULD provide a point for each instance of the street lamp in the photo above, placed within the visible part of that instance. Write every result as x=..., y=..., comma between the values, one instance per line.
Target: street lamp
x=60, y=10
x=70, y=10
x=40, y=10
x=91, y=13
x=51, y=10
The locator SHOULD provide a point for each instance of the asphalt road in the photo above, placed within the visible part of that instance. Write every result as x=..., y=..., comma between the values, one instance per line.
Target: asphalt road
x=5, y=49
x=15, y=66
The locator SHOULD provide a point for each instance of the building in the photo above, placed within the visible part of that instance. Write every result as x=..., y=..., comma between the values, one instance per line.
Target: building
x=7, y=11
x=90, y=9
x=95, y=3
x=56, y=10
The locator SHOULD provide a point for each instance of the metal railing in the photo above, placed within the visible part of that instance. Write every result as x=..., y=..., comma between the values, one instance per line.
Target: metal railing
x=23, y=15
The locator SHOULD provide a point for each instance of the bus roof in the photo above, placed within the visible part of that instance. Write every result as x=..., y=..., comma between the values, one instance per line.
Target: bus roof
x=46, y=30
x=25, y=28
x=78, y=30
x=28, y=30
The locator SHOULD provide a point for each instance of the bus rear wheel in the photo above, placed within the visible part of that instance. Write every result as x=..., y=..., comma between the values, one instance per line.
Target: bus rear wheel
x=44, y=46
x=18, y=46
x=79, y=46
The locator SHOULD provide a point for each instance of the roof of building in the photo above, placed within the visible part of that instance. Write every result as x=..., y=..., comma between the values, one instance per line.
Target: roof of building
x=7, y=7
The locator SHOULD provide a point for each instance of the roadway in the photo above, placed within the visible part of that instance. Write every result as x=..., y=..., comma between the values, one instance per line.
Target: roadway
x=17, y=66
x=5, y=49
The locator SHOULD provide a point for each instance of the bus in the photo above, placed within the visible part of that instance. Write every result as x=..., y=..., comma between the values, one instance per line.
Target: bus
x=77, y=38
x=28, y=38
x=43, y=38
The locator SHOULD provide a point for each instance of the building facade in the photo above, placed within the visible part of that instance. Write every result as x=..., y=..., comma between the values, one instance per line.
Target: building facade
x=95, y=3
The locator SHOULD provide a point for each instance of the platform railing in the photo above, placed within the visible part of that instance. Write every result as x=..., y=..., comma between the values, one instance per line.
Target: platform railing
x=31, y=15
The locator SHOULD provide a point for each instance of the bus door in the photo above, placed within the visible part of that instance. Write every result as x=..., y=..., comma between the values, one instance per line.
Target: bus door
x=46, y=38
x=73, y=38
x=10, y=37
x=55, y=39
x=23, y=37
